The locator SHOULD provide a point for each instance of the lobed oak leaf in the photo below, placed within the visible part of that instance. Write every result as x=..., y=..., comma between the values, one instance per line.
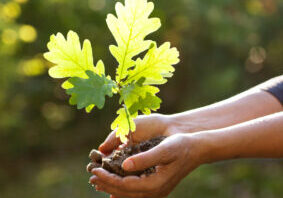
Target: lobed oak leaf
x=123, y=124
x=129, y=29
x=156, y=65
x=91, y=91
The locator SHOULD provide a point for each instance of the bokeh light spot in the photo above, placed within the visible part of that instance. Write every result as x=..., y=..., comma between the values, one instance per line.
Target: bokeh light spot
x=257, y=55
x=21, y=1
x=33, y=67
x=56, y=115
x=256, y=58
x=9, y=36
x=254, y=7
x=27, y=33
x=11, y=10
x=96, y=5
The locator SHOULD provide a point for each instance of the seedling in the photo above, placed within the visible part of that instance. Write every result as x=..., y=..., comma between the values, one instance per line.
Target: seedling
x=136, y=78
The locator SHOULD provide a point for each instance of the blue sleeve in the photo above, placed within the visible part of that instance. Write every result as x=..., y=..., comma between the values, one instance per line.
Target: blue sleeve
x=274, y=87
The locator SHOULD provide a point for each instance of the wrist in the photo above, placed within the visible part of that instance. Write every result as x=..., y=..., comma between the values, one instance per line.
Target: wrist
x=199, y=147
x=185, y=123
x=216, y=145
x=205, y=146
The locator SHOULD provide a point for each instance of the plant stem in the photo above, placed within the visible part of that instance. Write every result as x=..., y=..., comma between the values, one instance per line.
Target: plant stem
x=130, y=136
x=130, y=143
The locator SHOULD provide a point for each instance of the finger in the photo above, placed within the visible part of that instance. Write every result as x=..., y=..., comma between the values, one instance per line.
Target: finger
x=112, y=196
x=158, y=155
x=105, y=176
x=97, y=188
x=92, y=179
x=116, y=193
x=111, y=143
x=130, y=183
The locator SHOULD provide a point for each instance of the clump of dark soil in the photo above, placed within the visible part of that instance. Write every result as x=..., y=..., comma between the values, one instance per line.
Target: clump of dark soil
x=113, y=162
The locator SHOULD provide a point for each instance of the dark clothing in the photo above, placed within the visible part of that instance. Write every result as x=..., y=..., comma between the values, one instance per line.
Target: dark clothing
x=274, y=87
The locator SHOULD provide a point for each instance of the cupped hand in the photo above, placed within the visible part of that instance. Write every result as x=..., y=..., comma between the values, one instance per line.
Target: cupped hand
x=174, y=158
x=147, y=127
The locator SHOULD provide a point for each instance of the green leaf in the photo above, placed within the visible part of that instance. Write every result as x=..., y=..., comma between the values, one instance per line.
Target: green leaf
x=123, y=124
x=99, y=69
x=146, y=104
x=156, y=66
x=88, y=85
x=91, y=91
x=139, y=97
x=129, y=29
x=69, y=59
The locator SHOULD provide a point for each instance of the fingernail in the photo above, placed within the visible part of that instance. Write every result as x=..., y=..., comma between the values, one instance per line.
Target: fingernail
x=128, y=165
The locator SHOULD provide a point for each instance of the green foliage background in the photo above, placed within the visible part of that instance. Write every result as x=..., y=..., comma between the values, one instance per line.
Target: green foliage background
x=226, y=47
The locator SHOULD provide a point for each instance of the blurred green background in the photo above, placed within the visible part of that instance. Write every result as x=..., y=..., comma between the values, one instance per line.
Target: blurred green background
x=226, y=47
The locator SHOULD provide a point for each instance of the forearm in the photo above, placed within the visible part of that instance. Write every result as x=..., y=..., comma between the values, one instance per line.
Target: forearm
x=246, y=106
x=259, y=138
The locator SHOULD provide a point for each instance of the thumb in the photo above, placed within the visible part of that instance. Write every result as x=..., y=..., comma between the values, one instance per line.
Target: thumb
x=111, y=143
x=142, y=161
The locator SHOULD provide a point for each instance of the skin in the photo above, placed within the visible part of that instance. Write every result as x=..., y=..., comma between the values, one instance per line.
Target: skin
x=219, y=115
x=222, y=131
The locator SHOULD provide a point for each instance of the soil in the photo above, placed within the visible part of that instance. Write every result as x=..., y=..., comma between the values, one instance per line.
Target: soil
x=113, y=162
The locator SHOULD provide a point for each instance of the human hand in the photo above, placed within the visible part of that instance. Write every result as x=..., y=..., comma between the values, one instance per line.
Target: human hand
x=174, y=158
x=147, y=127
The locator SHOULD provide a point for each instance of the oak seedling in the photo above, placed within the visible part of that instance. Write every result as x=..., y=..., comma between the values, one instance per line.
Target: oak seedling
x=136, y=79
